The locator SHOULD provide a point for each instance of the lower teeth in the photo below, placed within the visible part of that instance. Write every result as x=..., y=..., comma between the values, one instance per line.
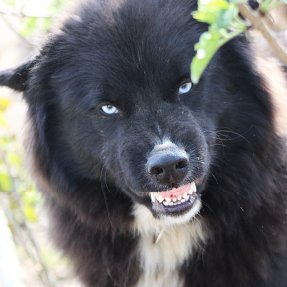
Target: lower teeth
x=175, y=203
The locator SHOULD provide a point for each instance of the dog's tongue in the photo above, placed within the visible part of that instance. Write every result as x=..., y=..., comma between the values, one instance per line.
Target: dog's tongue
x=175, y=192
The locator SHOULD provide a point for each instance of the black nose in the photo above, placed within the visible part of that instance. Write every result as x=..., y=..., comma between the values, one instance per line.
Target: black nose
x=168, y=168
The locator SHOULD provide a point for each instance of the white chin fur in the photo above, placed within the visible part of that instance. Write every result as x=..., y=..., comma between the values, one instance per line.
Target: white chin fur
x=164, y=244
x=171, y=220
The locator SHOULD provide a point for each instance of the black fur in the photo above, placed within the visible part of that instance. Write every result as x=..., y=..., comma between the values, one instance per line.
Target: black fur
x=91, y=168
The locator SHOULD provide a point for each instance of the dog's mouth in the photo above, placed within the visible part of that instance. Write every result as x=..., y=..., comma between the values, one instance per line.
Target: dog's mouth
x=176, y=201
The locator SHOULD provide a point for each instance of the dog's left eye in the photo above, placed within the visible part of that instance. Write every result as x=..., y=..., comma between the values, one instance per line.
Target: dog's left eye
x=184, y=88
x=109, y=109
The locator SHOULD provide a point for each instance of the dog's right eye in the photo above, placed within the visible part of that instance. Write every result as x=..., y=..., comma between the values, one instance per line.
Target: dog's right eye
x=109, y=109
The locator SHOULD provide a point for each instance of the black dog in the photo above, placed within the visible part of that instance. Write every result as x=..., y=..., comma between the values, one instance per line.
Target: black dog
x=152, y=181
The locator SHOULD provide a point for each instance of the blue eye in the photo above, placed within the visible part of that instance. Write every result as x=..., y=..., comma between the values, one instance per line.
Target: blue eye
x=109, y=109
x=185, y=88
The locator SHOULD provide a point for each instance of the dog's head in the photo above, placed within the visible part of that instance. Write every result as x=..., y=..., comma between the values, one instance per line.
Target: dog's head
x=111, y=100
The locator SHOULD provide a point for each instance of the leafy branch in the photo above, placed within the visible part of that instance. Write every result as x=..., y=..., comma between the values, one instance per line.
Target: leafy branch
x=28, y=25
x=228, y=19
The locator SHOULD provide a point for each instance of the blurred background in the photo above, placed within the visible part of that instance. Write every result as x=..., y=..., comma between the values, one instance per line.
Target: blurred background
x=27, y=257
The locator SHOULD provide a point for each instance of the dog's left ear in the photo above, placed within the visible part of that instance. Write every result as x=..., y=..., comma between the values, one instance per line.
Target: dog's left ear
x=17, y=78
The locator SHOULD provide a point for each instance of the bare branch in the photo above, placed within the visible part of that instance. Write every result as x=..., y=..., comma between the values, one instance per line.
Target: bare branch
x=258, y=24
x=24, y=15
x=23, y=39
x=270, y=22
x=34, y=250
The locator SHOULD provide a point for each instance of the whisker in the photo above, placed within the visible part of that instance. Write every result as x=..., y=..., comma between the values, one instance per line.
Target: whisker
x=104, y=195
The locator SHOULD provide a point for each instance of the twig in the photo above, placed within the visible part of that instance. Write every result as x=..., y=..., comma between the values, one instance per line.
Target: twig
x=44, y=276
x=31, y=248
x=11, y=271
x=270, y=22
x=23, y=39
x=258, y=24
x=24, y=15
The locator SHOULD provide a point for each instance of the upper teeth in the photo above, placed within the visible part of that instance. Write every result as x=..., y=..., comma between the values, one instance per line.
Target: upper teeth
x=173, y=200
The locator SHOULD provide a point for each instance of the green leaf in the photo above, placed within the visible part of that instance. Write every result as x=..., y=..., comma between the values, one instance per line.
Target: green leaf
x=207, y=46
x=5, y=181
x=30, y=201
x=265, y=5
x=226, y=17
x=209, y=10
x=3, y=122
x=213, y=5
x=4, y=104
x=29, y=26
x=205, y=16
x=14, y=159
x=56, y=5
x=11, y=3
x=30, y=213
x=47, y=23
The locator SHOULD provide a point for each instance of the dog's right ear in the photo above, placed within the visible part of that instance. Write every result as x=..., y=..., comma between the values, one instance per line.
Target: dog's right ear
x=17, y=78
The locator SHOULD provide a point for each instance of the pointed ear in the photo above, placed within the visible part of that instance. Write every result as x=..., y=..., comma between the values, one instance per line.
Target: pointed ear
x=17, y=78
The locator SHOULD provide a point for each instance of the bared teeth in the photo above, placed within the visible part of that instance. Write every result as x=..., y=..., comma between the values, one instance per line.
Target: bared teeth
x=173, y=199
x=192, y=188
x=167, y=199
x=159, y=198
x=152, y=197
x=168, y=202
